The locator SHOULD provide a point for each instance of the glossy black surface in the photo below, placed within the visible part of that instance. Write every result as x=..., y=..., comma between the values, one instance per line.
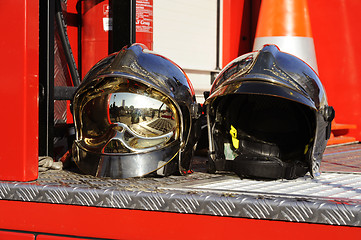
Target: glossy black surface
x=255, y=81
x=273, y=68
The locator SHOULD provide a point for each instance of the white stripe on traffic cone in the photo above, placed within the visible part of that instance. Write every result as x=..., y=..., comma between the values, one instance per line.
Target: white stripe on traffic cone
x=286, y=23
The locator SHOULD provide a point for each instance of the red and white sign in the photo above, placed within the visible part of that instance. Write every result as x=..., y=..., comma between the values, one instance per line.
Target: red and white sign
x=144, y=22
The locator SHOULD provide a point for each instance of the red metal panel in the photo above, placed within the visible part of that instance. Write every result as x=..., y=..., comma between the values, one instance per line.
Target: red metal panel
x=49, y=237
x=337, y=42
x=6, y=235
x=19, y=47
x=232, y=26
x=95, y=28
x=239, y=27
x=136, y=224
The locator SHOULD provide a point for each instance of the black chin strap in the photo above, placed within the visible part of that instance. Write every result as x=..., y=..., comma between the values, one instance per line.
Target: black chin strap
x=262, y=160
x=262, y=167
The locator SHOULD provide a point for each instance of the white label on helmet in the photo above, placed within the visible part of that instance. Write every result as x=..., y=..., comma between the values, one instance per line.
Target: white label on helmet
x=229, y=154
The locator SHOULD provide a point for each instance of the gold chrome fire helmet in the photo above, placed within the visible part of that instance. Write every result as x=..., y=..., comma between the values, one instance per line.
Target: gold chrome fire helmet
x=135, y=114
x=268, y=117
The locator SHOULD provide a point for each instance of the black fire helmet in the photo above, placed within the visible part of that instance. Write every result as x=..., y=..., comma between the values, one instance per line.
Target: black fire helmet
x=268, y=117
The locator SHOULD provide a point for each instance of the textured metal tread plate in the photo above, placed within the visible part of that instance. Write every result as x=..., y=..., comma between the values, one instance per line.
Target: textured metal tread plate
x=345, y=158
x=333, y=198
x=159, y=194
x=329, y=186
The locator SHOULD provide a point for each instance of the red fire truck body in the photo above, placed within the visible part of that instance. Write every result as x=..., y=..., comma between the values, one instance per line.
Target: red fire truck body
x=56, y=205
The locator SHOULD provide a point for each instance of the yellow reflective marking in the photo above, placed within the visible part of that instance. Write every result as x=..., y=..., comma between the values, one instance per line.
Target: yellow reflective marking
x=307, y=146
x=306, y=149
x=235, y=141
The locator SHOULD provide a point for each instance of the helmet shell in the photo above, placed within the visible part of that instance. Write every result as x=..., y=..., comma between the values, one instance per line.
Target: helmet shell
x=270, y=79
x=151, y=72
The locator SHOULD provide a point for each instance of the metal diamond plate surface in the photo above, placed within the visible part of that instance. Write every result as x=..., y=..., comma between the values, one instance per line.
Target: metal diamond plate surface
x=332, y=186
x=334, y=198
x=342, y=159
x=61, y=77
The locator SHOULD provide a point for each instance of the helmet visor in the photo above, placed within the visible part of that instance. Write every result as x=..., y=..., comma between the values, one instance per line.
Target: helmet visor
x=141, y=122
x=131, y=119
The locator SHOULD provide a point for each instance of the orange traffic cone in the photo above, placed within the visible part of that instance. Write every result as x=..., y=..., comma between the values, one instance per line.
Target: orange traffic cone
x=286, y=23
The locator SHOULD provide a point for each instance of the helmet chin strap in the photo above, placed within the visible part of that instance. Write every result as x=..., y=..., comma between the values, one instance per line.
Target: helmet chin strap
x=254, y=165
x=119, y=136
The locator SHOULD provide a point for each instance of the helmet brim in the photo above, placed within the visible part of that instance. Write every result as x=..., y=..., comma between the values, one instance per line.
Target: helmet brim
x=261, y=87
